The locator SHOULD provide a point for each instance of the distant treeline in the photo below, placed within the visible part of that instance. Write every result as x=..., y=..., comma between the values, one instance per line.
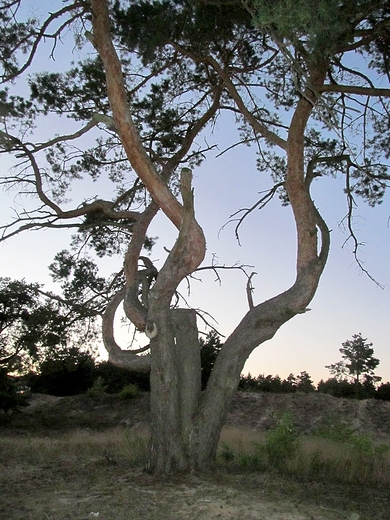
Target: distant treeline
x=79, y=373
x=303, y=383
x=71, y=377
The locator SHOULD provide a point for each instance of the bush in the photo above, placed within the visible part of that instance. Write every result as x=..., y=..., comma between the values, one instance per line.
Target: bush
x=129, y=392
x=383, y=392
x=98, y=388
x=337, y=388
x=282, y=442
x=115, y=378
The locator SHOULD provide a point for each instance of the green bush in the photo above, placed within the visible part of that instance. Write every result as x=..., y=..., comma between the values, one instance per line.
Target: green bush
x=129, y=391
x=282, y=442
x=115, y=378
x=98, y=388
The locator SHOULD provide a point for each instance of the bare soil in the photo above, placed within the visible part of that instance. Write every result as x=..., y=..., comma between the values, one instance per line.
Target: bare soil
x=105, y=487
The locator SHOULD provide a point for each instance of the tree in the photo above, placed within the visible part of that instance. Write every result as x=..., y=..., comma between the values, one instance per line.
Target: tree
x=35, y=326
x=358, y=361
x=305, y=383
x=156, y=76
x=67, y=373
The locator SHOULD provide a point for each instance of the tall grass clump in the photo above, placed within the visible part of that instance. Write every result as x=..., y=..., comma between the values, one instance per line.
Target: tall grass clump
x=258, y=452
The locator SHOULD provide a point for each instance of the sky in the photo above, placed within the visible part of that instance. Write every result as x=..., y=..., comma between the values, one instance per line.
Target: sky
x=347, y=301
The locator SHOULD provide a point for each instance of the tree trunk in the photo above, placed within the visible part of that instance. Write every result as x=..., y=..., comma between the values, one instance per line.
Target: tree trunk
x=175, y=381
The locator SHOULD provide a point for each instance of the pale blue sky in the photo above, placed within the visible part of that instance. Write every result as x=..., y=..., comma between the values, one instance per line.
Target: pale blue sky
x=346, y=303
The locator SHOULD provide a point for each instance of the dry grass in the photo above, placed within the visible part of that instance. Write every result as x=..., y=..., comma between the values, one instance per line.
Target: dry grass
x=240, y=449
x=75, y=447
x=354, y=461
x=68, y=476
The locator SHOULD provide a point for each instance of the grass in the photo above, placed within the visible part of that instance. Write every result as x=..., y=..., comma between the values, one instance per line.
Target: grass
x=67, y=476
x=116, y=445
x=349, y=458
x=324, y=457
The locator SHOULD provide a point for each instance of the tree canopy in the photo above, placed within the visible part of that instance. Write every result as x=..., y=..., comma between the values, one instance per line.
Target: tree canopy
x=36, y=325
x=358, y=361
x=309, y=93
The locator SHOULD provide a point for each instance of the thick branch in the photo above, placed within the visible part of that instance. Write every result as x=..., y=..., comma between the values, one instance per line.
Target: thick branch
x=117, y=356
x=134, y=309
x=354, y=89
x=124, y=124
x=188, y=251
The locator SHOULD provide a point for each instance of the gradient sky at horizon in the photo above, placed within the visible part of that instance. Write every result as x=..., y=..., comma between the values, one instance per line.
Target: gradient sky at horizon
x=347, y=301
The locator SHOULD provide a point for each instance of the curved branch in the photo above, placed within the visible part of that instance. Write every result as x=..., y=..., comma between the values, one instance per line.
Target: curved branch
x=134, y=309
x=187, y=253
x=122, y=358
x=42, y=35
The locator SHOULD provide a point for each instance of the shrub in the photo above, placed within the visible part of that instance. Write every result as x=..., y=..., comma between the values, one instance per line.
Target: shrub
x=115, y=378
x=129, y=391
x=70, y=374
x=282, y=442
x=383, y=392
x=98, y=388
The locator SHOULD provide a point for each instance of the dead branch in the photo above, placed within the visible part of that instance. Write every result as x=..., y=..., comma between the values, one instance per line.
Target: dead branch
x=249, y=290
x=261, y=203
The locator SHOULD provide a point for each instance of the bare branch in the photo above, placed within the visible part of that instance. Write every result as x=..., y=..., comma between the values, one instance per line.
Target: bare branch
x=41, y=35
x=354, y=89
x=350, y=227
x=233, y=92
x=269, y=194
x=249, y=290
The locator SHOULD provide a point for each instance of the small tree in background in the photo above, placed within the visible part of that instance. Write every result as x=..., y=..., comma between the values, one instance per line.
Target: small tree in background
x=305, y=383
x=358, y=361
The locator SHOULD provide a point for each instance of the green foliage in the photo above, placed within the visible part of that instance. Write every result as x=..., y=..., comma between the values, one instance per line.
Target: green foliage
x=282, y=442
x=322, y=24
x=129, y=391
x=98, y=388
x=360, y=445
x=115, y=378
x=274, y=384
x=35, y=325
x=337, y=387
x=335, y=430
x=383, y=392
